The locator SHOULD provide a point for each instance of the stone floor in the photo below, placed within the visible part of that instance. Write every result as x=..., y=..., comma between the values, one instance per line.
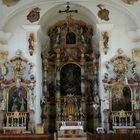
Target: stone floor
x=83, y=138
x=73, y=137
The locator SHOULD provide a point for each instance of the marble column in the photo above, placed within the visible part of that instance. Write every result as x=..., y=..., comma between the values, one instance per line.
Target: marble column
x=45, y=89
x=82, y=81
x=102, y=30
x=37, y=70
x=58, y=83
x=57, y=50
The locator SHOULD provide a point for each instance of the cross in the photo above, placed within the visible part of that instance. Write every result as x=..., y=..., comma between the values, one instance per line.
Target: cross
x=67, y=10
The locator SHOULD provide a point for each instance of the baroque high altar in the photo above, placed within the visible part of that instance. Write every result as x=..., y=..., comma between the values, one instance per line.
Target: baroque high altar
x=70, y=83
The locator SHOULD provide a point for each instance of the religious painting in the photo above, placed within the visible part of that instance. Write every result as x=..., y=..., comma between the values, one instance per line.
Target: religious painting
x=70, y=38
x=17, y=99
x=120, y=97
x=70, y=80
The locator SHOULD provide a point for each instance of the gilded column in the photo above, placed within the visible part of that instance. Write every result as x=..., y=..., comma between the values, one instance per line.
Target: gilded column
x=57, y=50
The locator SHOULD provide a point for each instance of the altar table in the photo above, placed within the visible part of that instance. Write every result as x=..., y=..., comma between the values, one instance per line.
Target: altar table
x=123, y=129
x=14, y=130
x=71, y=129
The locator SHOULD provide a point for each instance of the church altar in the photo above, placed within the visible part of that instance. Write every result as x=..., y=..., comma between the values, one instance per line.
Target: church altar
x=14, y=130
x=71, y=129
x=123, y=129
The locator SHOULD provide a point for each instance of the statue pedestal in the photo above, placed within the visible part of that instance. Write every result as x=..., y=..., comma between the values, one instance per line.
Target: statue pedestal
x=106, y=120
x=1, y=119
x=137, y=117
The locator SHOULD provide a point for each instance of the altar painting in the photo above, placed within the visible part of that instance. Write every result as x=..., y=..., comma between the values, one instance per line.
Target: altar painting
x=17, y=99
x=71, y=80
x=120, y=98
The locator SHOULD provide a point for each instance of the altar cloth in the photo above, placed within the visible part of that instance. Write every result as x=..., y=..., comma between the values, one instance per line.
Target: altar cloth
x=78, y=127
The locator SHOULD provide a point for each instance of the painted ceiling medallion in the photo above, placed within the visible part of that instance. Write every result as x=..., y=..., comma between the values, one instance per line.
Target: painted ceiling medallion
x=103, y=14
x=129, y=1
x=34, y=15
x=10, y=2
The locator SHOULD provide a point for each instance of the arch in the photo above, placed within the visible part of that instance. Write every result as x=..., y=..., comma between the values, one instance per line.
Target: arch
x=85, y=14
x=52, y=5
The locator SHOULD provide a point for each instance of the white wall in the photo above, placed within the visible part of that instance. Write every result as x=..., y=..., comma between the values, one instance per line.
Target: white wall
x=119, y=39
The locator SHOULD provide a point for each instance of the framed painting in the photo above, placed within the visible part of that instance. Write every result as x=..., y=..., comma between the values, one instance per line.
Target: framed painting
x=121, y=97
x=17, y=99
x=70, y=80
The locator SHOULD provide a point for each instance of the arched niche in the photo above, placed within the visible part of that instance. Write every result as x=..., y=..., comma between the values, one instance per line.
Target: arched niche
x=17, y=99
x=70, y=38
x=70, y=80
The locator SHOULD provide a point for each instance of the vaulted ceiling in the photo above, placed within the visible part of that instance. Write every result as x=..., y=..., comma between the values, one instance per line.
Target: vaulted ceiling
x=49, y=10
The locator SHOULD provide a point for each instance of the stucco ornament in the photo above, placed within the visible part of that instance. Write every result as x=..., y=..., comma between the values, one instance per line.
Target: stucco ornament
x=4, y=37
x=10, y=2
x=34, y=15
x=129, y=1
x=103, y=14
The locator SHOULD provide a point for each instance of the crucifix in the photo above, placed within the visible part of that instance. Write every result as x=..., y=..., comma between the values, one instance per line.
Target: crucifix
x=68, y=11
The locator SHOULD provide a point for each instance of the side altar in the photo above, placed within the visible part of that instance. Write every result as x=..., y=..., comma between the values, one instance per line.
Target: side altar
x=121, y=94
x=17, y=92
